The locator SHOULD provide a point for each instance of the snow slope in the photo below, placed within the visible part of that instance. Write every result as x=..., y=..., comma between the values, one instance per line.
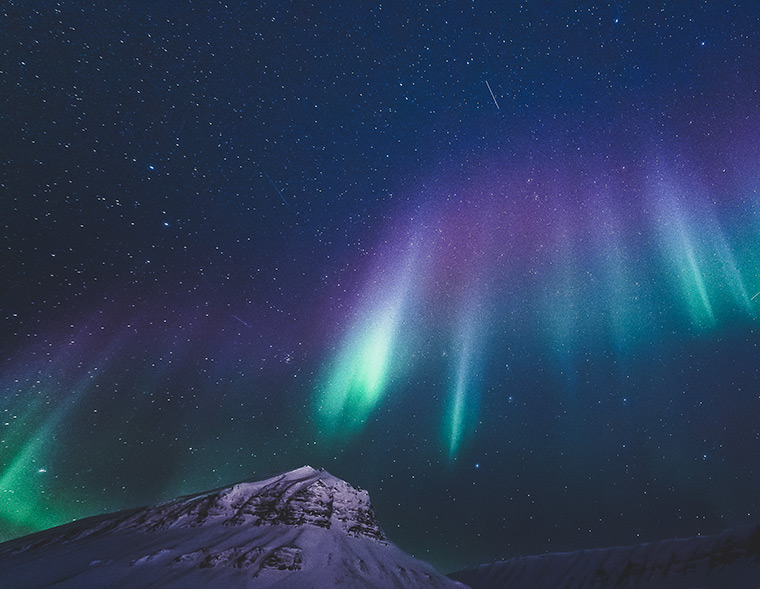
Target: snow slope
x=730, y=560
x=301, y=529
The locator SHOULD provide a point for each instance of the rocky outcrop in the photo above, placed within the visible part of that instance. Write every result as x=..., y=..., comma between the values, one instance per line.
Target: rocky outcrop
x=300, y=497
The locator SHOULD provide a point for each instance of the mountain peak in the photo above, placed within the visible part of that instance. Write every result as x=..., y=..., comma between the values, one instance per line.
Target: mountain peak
x=305, y=470
x=304, y=496
x=303, y=527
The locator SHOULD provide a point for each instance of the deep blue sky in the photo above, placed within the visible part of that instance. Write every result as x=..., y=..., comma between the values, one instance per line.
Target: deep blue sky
x=495, y=262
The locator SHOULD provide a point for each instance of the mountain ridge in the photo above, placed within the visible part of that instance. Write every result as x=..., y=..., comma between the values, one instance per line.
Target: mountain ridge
x=728, y=559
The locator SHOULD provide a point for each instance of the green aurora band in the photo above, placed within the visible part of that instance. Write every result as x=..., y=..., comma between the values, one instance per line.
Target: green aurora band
x=358, y=378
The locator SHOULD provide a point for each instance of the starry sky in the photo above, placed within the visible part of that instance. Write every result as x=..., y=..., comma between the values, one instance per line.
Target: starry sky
x=496, y=262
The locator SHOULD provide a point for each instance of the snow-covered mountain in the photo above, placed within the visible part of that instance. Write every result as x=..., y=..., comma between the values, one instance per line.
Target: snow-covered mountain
x=301, y=529
x=730, y=560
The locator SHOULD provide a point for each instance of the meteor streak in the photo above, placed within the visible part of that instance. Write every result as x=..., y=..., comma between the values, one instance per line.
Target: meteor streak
x=241, y=321
x=492, y=96
x=276, y=189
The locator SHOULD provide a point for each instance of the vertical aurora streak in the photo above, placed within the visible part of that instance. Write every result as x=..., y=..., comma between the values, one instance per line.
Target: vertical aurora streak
x=620, y=294
x=23, y=505
x=563, y=301
x=735, y=280
x=699, y=260
x=456, y=415
x=683, y=258
x=358, y=378
x=462, y=404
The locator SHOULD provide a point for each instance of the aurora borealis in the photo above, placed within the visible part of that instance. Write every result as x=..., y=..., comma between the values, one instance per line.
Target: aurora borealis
x=497, y=263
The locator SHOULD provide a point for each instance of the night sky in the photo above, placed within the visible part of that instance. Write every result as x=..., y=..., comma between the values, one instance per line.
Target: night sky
x=496, y=262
